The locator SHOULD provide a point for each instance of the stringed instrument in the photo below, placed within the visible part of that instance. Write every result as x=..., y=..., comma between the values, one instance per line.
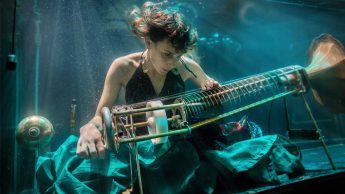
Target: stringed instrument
x=325, y=76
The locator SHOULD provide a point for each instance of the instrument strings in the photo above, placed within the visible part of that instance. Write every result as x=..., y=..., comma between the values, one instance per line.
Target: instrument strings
x=238, y=91
x=233, y=91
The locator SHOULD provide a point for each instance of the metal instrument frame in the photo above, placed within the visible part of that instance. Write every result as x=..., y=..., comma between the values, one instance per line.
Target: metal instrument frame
x=119, y=121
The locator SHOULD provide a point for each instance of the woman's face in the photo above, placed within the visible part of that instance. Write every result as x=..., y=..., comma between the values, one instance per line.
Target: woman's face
x=163, y=56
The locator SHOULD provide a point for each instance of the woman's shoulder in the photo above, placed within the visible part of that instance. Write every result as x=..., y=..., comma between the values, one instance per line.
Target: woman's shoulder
x=128, y=61
x=124, y=66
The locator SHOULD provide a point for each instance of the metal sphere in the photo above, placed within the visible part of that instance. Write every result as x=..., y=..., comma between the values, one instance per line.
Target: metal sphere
x=34, y=132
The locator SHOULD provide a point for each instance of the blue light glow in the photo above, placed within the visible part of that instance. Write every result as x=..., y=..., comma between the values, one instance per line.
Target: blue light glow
x=216, y=35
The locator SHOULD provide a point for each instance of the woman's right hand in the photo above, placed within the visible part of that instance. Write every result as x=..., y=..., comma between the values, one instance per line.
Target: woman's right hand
x=90, y=144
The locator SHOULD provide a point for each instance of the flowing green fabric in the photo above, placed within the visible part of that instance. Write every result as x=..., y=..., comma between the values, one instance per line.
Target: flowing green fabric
x=164, y=168
x=267, y=159
x=174, y=167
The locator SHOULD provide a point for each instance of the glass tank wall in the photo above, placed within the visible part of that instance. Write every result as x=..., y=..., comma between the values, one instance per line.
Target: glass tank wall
x=64, y=49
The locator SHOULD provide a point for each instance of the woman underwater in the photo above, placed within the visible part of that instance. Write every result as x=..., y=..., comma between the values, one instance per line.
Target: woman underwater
x=160, y=70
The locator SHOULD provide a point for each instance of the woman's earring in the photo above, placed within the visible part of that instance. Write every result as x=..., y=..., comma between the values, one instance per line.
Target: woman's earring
x=146, y=66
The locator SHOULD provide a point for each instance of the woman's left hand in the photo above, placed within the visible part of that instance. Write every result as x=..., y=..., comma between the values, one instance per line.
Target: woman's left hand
x=209, y=84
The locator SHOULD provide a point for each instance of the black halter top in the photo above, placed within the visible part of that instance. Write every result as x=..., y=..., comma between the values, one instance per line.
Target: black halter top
x=139, y=88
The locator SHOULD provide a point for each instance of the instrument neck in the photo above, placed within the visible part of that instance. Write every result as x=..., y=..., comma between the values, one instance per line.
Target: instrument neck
x=250, y=89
